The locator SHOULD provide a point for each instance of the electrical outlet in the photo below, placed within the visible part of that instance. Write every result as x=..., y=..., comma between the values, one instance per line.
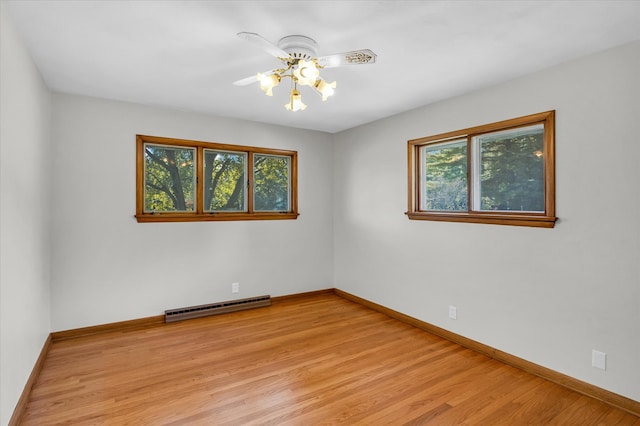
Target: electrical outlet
x=598, y=359
x=235, y=287
x=453, y=312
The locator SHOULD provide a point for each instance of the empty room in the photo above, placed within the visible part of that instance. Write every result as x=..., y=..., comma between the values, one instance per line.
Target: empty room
x=319, y=212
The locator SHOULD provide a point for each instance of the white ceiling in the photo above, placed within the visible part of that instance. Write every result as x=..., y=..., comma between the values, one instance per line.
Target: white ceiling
x=185, y=54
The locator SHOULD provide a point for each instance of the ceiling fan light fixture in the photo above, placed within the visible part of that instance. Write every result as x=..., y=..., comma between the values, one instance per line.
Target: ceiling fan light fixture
x=268, y=82
x=324, y=88
x=306, y=73
x=300, y=63
x=295, y=102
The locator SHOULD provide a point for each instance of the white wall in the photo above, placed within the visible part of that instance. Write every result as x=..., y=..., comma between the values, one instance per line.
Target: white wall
x=25, y=201
x=107, y=267
x=547, y=295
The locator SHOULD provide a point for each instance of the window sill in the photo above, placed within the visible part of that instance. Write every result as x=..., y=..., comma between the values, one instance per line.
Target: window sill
x=185, y=217
x=538, y=221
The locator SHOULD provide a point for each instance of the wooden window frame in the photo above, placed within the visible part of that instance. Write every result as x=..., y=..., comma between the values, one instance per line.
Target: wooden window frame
x=545, y=219
x=199, y=214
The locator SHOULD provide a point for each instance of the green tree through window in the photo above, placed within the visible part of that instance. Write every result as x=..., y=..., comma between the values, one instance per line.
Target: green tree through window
x=446, y=176
x=512, y=171
x=500, y=173
x=170, y=183
x=182, y=180
x=224, y=174
x=271, y=177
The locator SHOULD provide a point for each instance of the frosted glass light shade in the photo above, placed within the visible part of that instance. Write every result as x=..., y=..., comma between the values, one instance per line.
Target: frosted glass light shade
x=307, y=73
x=325, y=89
x=295, y=102
x=268, y=82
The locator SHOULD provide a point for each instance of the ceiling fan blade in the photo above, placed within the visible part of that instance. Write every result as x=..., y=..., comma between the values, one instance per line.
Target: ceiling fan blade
x=254, y=78
x=356, y=57
x=264, y=44
x=246, y=81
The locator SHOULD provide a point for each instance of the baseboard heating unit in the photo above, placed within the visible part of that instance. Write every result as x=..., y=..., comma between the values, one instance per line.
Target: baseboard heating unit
x=180, y=314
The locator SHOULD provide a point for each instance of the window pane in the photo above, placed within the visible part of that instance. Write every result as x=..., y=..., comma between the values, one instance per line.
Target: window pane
x=444, y=176
x=511, y=170
x=169, y=178
x=224, y=181
x=271, y=182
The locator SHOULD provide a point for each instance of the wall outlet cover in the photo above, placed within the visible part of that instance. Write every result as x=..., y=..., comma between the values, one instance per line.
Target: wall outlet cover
x=453, y=312
x=598, y=359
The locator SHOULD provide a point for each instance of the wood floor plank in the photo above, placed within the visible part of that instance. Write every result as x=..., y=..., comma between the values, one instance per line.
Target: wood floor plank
x=303, y=361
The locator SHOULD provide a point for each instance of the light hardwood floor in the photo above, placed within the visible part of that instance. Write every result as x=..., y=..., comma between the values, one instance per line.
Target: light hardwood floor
x=312, y=361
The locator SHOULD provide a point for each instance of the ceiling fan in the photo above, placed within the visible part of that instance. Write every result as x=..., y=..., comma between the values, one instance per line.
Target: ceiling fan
x=301, y=63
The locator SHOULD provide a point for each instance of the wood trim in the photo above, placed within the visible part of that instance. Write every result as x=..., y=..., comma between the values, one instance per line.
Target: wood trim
x=305, y=295
x=189, y=143
x=199, y=215
x=486, y=128
x=579, y=386
x=155, y=321
x=547, y=219
x=105, y=328
x=574, y=384
x=199, y=196
x=250, y=197
x=412, y=197
x=21, y=406
x=208, y=217
x=550, y=164
x=139, y=176
x=491, y=218
x=293, y=179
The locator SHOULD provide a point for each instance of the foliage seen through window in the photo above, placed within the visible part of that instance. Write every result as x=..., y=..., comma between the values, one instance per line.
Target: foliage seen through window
x=499, y=173
x=180, y=180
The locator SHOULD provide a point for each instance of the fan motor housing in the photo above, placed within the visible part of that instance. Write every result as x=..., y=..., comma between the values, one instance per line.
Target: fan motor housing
x=299, y=46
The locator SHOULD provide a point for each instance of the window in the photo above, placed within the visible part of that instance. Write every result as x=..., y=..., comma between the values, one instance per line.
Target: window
x=180, y=180
x=500, y=173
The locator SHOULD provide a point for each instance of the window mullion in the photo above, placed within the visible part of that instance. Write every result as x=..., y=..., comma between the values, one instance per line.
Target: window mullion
x=199, y=163
x=475, y=174
x=249, y=182
x=505, y=183
x=470, y=175
x=199, y=180
x=420, y=187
